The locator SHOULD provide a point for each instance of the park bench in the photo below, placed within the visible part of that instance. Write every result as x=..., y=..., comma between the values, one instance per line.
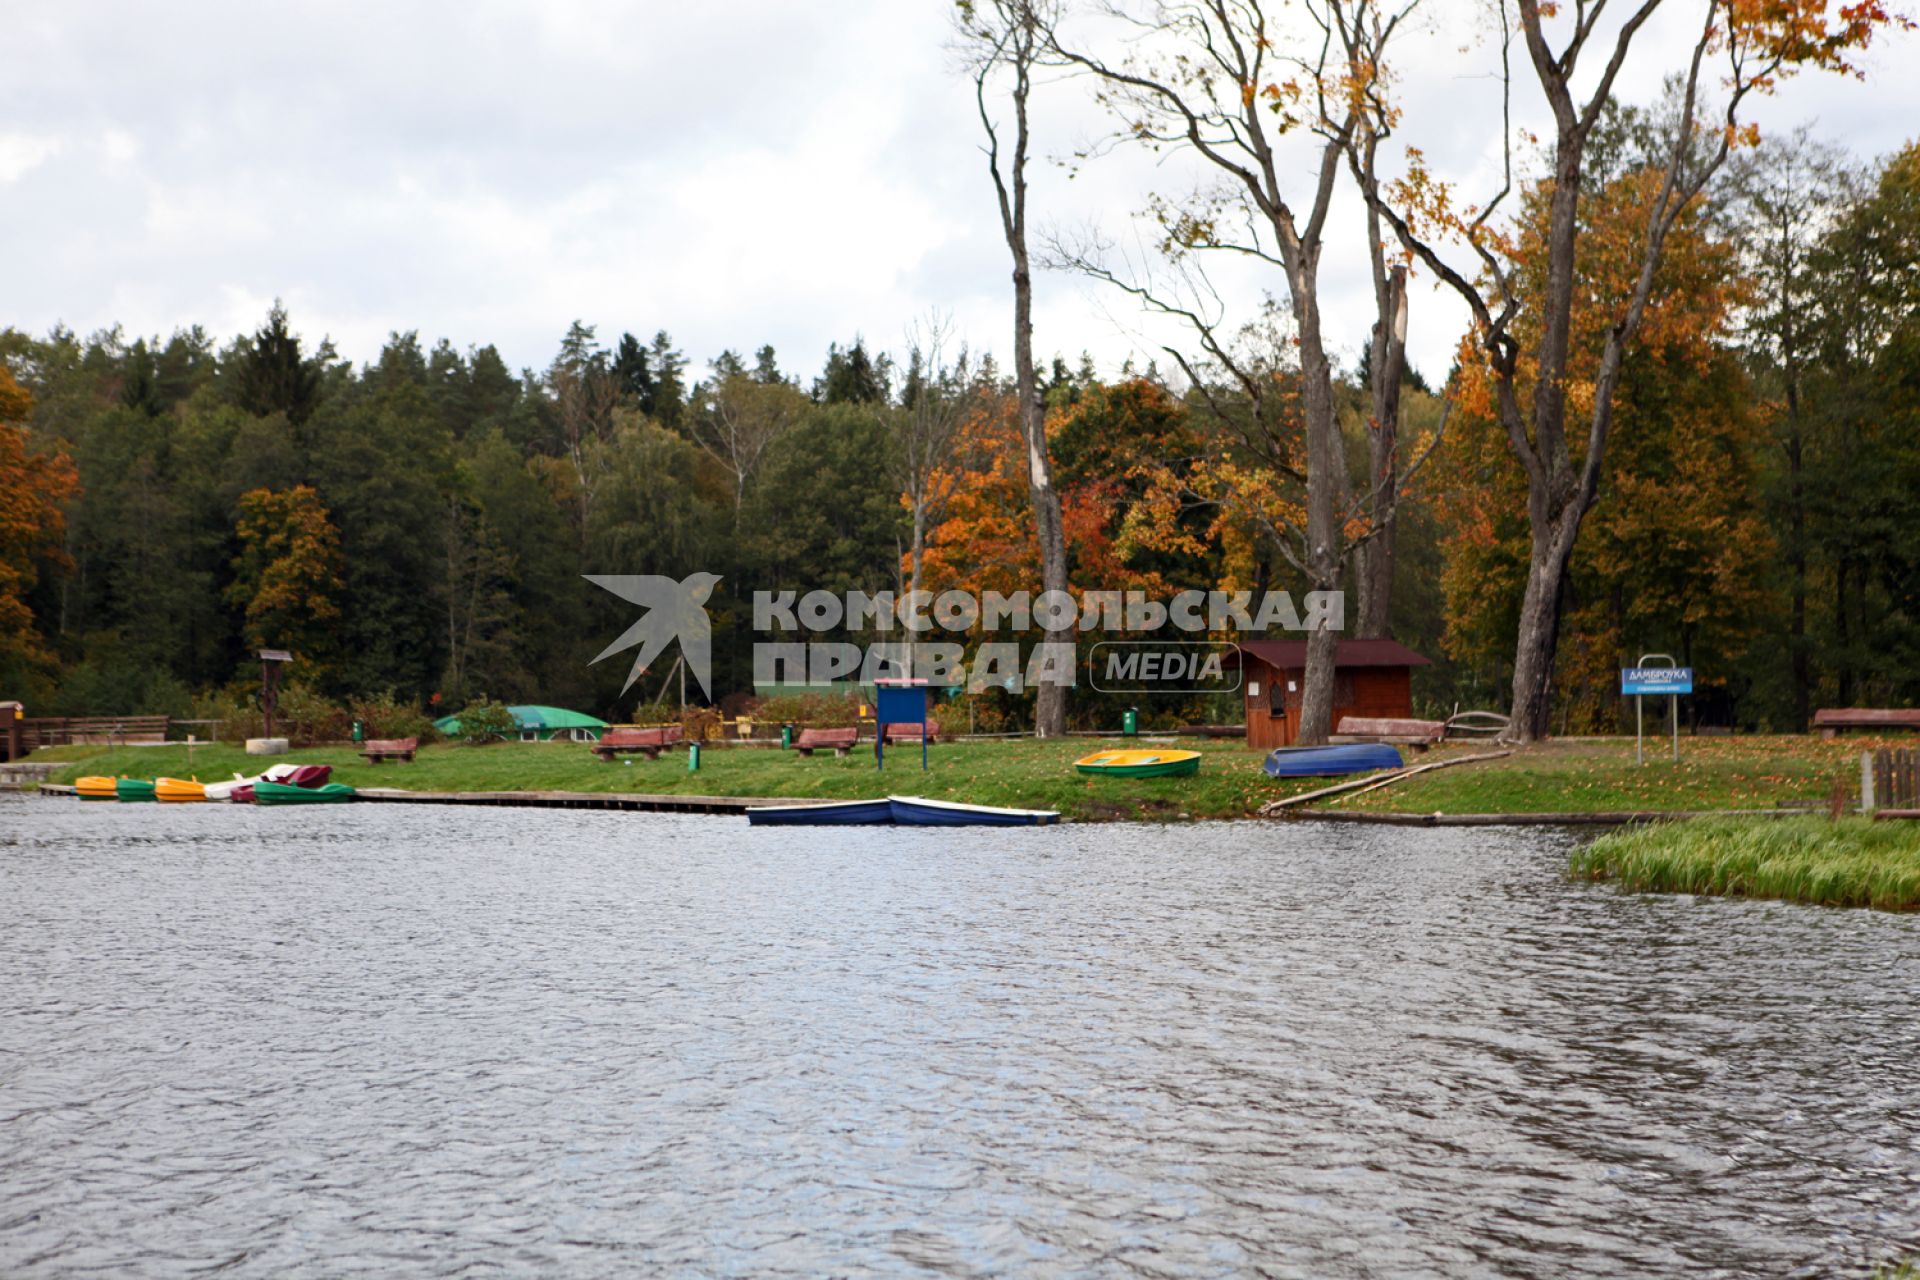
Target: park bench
x=911, y=733
x=649, y=742
x=1414, y=733
x=1831, y=720
x=841, y=740
x=377, y=750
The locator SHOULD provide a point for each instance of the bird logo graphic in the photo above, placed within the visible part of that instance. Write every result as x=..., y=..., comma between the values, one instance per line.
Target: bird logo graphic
x=676, y=610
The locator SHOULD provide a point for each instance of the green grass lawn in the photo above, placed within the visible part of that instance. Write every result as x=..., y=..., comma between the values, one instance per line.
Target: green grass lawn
x=1599, y=776
x=1583, y=776
x=1850, y=863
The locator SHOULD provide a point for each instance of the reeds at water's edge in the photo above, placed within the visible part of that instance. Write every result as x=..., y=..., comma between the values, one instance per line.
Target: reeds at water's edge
x=1847, y=863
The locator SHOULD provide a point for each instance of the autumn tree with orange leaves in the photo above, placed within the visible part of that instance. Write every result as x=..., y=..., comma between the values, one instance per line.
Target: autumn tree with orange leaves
x=33, y=487
x=1676, y=559
x=1742, y=48
x=288, y=574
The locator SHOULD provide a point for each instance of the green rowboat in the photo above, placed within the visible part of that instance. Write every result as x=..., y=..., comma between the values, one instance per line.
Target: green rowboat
x=280, y=793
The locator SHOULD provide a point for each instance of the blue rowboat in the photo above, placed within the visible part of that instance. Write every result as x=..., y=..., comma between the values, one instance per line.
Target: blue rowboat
x=916, y=811
x=845, y=813
x=1329, y=761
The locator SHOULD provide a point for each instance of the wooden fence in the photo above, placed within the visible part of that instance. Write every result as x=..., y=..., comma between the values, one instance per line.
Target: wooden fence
x=60, y=731
x=1890, y=779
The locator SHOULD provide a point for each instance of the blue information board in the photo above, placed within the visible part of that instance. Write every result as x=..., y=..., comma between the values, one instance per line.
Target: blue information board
x=903, y=702
x=1659, y=681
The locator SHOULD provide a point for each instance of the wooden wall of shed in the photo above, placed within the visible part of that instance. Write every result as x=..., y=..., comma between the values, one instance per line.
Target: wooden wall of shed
x=1374, y=691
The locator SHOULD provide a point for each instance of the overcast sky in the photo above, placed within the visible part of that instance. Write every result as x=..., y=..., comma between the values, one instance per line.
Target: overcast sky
x=737, y=172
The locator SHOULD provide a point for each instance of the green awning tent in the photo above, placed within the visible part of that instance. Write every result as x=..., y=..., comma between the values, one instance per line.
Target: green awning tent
x=540, y=724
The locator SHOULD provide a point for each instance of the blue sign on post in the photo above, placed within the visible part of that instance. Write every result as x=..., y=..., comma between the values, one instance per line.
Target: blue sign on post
x=1667, y=682
x=1656, y=680
x=899, y=702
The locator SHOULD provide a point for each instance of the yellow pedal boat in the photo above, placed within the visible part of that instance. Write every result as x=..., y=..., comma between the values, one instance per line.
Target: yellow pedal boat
x=178, y=790
x=96, y=788
x=1141, y=764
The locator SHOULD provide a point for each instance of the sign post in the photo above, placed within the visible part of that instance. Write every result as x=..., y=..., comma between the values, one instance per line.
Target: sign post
x=899, y=702
x=1644, y=681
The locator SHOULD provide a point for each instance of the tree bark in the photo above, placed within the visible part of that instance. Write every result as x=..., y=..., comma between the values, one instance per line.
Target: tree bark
x=1389, y=362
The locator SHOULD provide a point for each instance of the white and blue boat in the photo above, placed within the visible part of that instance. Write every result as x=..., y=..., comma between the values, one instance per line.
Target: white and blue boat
x=905, y=811
x=917, y=811
x=1330, y=761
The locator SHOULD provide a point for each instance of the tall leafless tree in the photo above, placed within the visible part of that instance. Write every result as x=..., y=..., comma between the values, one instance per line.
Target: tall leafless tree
x=936, y=397
x=1005, y=42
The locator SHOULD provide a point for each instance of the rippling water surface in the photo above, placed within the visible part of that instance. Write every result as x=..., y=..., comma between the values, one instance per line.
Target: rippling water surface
x=417, y=1040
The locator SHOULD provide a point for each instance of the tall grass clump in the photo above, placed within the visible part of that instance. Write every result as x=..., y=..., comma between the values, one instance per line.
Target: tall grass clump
x=1849, y=863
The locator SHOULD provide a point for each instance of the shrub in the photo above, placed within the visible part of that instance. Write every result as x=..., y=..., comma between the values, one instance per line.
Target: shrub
x=700, y=724
x=384, y=716
x=812, y=710
x=971, y=713
x=487, y=721
x=302, y=715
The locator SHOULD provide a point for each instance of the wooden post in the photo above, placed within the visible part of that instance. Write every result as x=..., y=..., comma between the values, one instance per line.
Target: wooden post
x=1866, y=782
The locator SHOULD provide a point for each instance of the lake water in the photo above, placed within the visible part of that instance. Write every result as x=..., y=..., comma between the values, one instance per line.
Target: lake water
x=412, y=1040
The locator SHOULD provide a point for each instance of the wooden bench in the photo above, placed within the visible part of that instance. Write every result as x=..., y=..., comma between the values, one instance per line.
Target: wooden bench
x=911, y=733
x=1831, y=720
x=649, y=742
x=377, y=750
x=841, y=740
x=1413, y=733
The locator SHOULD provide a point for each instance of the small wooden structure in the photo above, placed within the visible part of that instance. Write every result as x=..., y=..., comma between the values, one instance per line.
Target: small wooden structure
x=839, y=740
x=1372, y=679
x=1831, y=720
x=649, y=742
x=378, y=750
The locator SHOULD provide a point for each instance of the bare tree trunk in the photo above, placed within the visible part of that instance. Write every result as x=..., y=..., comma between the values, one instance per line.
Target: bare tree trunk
x=1539, y=634
x=1016, y=38
x=919, y=542
x=1389, y=361
x=1050, y=703
x=1325, y=472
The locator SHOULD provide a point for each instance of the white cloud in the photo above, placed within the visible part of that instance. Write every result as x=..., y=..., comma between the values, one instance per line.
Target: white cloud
x=22, y=152
x=737, y=172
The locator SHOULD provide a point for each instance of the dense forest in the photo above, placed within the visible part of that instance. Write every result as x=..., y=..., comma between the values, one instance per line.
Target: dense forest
x=419, y=525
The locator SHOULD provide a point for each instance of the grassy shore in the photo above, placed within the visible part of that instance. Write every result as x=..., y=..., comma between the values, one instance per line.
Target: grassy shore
x=1850, y=863
x=1585, y=776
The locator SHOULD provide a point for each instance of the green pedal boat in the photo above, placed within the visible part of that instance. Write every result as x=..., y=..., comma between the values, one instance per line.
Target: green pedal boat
x=134, y=789
x=1141, y=764
x=280, y=793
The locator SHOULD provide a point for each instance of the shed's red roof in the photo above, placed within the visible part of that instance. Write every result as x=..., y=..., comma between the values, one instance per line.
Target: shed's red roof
x=1291, y=655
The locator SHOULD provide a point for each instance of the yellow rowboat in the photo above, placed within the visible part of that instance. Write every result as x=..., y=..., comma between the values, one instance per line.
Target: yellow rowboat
x=96, y=788
x=1141, y=764
x=178, y=790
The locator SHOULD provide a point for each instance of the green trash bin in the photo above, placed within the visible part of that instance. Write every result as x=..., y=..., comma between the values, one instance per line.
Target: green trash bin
x=693, y=757
x=359, y=733
x=1129, y=722
x=786, y=736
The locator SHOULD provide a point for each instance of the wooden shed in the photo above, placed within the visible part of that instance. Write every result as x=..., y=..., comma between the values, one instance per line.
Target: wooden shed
x=1371, y=678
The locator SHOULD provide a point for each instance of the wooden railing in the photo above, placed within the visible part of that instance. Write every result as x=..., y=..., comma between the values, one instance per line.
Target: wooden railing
x=60, y=731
